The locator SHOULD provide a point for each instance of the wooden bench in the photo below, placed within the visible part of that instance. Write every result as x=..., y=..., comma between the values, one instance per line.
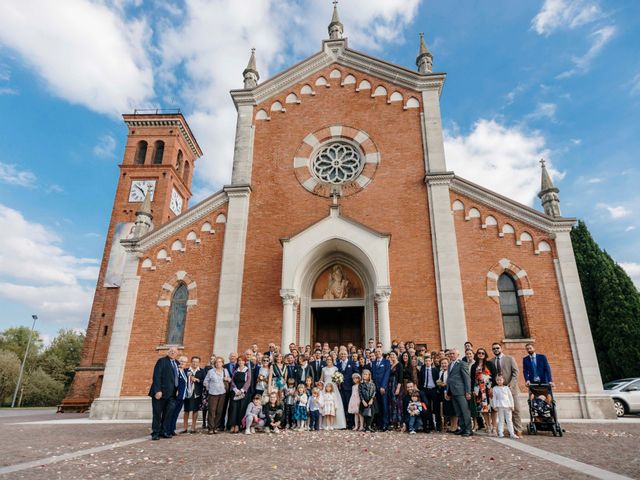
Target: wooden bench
x=74, y=406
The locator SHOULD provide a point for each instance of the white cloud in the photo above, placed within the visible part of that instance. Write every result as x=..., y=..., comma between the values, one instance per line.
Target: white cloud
x=595, y=180
x=544, y=110
x=12, y=175
x=501, y=158
x=282, y=32
x=560, y=14
x=105, y=147
x=8, y=91
x=37, y=272
x=633, y=270
x=630, y=228
x=85, y=51
x=582, y=64
x=617, y=211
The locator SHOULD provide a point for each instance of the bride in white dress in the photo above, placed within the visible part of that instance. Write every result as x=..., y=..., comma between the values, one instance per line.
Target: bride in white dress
x=327, y=372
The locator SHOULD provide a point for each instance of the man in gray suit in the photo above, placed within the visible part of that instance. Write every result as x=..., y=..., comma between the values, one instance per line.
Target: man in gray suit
x=508, y=368
x=459, y=391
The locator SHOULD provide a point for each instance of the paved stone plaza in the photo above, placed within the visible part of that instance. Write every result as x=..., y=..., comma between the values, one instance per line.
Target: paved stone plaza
x=41, y=444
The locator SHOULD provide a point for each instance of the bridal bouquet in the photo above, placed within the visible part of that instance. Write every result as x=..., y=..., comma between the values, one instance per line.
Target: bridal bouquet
x=337, y=378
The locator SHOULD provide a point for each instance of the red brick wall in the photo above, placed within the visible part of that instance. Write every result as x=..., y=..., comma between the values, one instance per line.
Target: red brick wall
x=479, y=250
x=202, y=264
x=395, y=202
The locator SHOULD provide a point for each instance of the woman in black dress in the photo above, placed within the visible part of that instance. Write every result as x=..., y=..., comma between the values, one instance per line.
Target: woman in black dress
x=240, y=384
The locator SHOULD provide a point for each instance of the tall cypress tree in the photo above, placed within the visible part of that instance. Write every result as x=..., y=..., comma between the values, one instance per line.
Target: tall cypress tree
x=613, y=307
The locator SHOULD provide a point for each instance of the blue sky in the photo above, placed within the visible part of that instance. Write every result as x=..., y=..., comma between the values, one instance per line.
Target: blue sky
x=554, y=78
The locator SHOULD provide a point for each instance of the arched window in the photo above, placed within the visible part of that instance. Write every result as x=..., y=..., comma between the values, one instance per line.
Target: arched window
x=141, y=153
x=179, y=161
x=510, y=307
x=177, y=315
x=187, y=171
x=158, y=152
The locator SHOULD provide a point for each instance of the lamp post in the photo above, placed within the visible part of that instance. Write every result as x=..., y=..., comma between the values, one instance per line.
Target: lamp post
x=24, y=360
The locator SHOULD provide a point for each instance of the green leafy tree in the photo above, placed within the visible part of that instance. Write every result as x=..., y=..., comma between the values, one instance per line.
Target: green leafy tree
x=613, y=307
x=40, y=390
x=15, y=340
x=62, y=357
x=9, y=370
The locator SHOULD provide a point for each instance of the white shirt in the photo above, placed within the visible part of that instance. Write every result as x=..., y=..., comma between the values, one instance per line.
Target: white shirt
x=502, y=397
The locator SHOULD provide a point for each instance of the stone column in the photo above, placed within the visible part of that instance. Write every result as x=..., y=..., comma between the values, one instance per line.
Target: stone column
x=107, y=405
x=384, y=324
x=453, y=327
x=593, y=402
x=243, y=152
x=288, y=318
x=231, y=274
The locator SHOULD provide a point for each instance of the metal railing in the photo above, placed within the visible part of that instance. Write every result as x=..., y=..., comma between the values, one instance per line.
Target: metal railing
x=156, y=111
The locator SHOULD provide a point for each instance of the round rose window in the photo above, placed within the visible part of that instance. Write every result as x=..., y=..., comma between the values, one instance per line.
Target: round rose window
x=337, y=163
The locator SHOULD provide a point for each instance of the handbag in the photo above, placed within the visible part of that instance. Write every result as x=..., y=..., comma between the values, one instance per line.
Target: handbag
x=239, y=395
x=366, y=412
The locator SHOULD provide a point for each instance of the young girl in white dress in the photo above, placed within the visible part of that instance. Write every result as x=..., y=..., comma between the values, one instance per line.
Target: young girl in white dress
x=329, y=408
x=340, y=421
x=354, y=404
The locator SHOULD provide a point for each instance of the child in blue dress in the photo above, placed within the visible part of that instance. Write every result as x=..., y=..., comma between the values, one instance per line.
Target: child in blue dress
x=300, y=411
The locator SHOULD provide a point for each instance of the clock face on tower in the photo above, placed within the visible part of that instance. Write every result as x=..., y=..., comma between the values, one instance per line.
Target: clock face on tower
x=176, y=202
x=139, y=189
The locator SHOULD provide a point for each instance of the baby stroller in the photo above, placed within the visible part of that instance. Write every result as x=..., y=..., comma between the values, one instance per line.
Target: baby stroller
x=542, y=410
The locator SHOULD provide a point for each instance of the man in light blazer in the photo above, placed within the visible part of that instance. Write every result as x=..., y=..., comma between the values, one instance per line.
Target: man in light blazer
x=535, y=367
x=459, y=391
x=508, y=368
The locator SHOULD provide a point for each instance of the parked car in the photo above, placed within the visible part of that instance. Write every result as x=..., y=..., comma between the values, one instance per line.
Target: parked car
x=625, y=394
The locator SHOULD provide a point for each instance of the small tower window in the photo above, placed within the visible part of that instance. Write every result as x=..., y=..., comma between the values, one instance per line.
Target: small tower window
x=141, y=153
x=510, y=307
x=158, y=152
x=177, y=315
x=187, y=171
x=179, y=161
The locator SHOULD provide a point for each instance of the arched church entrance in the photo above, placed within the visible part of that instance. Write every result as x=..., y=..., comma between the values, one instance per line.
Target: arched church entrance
x=337, y=305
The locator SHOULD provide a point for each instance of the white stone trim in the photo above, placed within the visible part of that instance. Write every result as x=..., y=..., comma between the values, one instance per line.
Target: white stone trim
x=191, y=286
x=310, y=183
x=311, y=140
x=575, y=313
x=334, y=238
x=372, y=157
x=336, y=51
x=180, y=274
x=492, y=275
x=335, y=130
x=192, y=302
x=300, y=162
x=527, y=292
x=180, y=123
x=164, y=303
x=361, y=137
x=168, y=287
x=232, y=271
x=493, y=293
x=511, y=208
x=121, y=331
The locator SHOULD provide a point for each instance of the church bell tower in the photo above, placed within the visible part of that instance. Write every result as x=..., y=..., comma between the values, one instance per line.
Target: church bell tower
x=154, y=186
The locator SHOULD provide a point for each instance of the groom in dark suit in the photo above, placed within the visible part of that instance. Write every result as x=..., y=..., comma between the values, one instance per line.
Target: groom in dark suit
x=316, y=365
x=163, y=395
x=380, y=370
x=347, y=368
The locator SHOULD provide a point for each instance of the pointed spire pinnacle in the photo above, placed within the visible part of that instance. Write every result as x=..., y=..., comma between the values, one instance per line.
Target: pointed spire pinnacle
x=250, y=74
x=143, y=216
x=548, y=193
x=336, y=29
x=146, y=204
x=424, y=60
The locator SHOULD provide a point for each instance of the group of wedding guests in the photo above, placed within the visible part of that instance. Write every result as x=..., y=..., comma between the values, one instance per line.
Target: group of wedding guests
x=345, y=387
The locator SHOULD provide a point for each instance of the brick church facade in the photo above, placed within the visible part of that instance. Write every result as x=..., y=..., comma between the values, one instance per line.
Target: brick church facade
x=341, y=223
